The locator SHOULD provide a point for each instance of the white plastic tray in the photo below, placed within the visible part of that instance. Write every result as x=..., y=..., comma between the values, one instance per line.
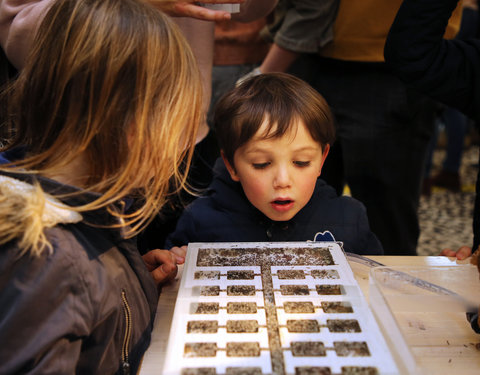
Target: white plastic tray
x=284, y=324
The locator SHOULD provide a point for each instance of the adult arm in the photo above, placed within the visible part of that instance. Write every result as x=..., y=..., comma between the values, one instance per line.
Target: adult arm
x=194, y=9
x=19, y=20
x=446, y=70
x=251, y=10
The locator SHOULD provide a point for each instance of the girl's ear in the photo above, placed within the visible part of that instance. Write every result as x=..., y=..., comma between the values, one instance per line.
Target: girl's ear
x=325, y=152
x=230, y=168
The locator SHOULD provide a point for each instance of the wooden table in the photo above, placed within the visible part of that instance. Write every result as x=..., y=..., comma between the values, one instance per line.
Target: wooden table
x=462, y=359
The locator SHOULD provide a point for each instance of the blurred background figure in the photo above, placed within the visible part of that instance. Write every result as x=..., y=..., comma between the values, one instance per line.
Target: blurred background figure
x=454, y=125
x=383, y=127
x=451, y=122
x=238, y=49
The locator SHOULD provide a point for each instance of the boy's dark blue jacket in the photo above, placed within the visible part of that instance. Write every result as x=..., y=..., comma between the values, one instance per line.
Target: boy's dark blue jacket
x=224, y=214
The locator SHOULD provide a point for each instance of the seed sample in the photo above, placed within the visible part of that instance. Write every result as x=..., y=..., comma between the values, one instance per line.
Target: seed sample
x=329, y=289
x=199, y=371
x=200, y=349
x=343, y=325
x=325, y=274
x=207, y=275
x=294, y=290
x=241, y=308
x=311, y=370
x=290, y=274
x=213, y=290
x=307, y=349
x=204, y=308
x=243, y=371
x=240, y=275
x=300, y=256
x=351, y=349
x=242, y=326
x=243, y=349
x=275, y=256
x=298, y=307
x=303, y=325
x=202, y=326
x=357, y=370
x=241, y=290
x=336, y=307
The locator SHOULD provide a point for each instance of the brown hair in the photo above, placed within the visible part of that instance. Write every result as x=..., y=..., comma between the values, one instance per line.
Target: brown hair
x=279, y=98
x=116, y=82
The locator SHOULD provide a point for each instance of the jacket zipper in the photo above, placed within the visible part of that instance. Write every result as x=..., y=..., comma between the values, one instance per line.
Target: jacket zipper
x=128, y=332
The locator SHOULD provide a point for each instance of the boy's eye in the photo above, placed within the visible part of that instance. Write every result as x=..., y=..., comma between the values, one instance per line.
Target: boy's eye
x=260, y=165
x=301, y=163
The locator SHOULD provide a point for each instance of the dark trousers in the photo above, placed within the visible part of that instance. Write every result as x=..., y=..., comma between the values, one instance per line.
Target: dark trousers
x=383, y=130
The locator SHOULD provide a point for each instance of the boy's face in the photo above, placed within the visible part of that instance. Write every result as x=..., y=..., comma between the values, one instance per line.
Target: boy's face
x=278, y=175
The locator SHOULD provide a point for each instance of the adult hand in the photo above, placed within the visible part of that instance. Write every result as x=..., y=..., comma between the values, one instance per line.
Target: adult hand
x=462, y=253
x=162, y=265
x=473, y=4
x=193, y=9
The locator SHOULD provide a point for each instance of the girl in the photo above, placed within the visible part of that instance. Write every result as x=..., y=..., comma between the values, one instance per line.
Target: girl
x=104, y=111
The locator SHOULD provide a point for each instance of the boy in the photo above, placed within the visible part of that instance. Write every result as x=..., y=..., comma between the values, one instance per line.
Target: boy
x=274, y=132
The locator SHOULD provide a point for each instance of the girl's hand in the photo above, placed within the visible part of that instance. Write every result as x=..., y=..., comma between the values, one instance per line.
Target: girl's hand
x=162, y=265
x=180, y=253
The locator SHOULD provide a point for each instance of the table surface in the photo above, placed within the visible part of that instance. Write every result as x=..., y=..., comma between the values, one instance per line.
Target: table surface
x=154, y=357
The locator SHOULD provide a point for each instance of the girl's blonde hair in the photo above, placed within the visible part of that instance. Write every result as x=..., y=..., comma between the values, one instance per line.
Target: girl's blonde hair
x=116, y=82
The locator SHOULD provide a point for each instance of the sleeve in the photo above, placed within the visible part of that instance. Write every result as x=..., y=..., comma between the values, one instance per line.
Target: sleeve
x=446, y=70
x=40, y=329
x=307, y=25
x=469, y=24
x=19, y=20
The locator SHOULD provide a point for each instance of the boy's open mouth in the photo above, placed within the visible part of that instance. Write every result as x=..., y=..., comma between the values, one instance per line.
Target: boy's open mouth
x=283, y=202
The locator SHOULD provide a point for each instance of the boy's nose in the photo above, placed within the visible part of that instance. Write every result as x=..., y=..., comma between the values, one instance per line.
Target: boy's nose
x=282, y=178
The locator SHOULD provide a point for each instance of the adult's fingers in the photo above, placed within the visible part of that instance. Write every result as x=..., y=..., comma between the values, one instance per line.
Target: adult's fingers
x=448, y=253
x=464, y=252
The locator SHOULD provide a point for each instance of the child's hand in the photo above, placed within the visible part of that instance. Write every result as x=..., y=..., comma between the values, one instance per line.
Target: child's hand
x=180, y=253
x=162, y=265
x=462, y=253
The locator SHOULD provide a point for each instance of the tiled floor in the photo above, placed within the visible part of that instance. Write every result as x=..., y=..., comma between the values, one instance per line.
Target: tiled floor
x=446, y=217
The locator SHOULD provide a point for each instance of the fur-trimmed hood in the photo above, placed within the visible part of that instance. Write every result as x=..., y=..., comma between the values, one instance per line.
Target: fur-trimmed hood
x=26, y=210
x=50, y=210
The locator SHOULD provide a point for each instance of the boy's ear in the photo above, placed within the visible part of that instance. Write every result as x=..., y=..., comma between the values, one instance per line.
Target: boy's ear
x=325, y=152
x=230, y=168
